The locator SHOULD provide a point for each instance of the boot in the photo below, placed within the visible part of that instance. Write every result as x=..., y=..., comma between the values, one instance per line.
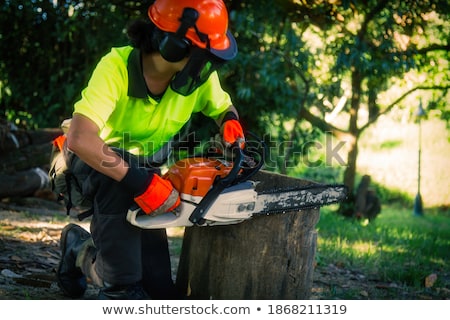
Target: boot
x=123, y=292
x=74, y=241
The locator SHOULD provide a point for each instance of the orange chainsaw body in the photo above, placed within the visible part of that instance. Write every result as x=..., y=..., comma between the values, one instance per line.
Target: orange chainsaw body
x=195, y=176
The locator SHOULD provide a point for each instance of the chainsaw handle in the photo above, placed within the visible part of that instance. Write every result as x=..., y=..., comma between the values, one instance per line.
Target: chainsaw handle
x=219, y=185
x=251, y=168
x=237, y=166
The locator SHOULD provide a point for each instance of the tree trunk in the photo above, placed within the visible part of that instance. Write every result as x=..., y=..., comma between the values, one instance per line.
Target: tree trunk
x=350, y=172
x=347, y=207
x=267, y=257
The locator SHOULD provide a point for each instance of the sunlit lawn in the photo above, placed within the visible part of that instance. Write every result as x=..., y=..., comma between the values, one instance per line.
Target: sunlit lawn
x=397, y=246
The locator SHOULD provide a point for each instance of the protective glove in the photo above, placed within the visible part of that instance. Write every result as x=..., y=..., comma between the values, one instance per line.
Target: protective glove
x=232, y=131
x=152, y=193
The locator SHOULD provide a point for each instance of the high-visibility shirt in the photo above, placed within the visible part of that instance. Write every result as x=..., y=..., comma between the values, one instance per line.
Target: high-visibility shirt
x=117, y=100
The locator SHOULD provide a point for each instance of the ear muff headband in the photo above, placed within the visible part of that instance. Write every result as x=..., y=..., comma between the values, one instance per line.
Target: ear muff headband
x=174, y=46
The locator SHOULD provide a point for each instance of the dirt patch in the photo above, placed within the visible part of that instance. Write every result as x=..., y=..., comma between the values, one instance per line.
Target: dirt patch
x=29, y=246
x=333, y=282
x=30, y=252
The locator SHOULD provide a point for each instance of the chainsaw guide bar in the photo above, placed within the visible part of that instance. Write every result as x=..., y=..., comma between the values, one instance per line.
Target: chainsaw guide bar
x=306, y=197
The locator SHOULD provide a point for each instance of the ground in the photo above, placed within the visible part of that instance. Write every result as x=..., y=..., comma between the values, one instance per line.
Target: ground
x=29, y=246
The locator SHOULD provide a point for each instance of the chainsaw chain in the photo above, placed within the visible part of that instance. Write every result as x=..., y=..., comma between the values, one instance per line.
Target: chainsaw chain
x=305, y=187
x=290, y=209
x=319, y=187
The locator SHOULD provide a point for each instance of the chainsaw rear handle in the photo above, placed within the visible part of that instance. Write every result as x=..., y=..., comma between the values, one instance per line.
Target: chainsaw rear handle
x=219, y=185
x=253, y=156
x=237, y=166
x=253, y=167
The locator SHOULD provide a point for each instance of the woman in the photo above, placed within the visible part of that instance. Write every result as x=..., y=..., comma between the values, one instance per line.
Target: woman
x=137, y=99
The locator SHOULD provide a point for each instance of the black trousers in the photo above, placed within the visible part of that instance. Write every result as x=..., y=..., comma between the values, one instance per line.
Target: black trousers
x=125, y=254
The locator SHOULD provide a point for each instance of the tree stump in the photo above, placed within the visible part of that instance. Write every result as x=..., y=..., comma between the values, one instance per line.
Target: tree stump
x=267, y=257
x=368, y=204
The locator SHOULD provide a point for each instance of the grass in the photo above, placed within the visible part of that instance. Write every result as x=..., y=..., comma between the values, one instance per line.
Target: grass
x=396, y=247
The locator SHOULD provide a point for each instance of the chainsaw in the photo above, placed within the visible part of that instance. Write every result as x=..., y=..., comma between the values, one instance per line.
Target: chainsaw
x=216, y=189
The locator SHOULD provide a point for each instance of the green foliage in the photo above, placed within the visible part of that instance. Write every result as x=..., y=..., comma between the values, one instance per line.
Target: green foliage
x=314, y=56
x=316, y=164
x=393, y=39
x=258, y=76
x=294, y=56
x=269, y=81
x=48, y=50
x=390, y=144
x=397, y=246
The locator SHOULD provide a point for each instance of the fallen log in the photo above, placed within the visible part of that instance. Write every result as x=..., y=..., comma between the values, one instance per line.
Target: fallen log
x=24, y=183
x=12, y=138
x=35, y=155
x=22, y=149
x=44, y=135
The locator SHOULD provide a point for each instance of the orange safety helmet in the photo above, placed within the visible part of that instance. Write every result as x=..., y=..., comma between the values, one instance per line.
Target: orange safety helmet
x=211, y=20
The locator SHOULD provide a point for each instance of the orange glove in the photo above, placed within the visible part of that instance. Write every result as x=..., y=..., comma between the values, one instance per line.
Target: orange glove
x=152, y=193
x=232, y=131
x=159, y=197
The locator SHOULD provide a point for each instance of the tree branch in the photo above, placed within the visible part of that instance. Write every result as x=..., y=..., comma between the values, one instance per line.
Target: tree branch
x=434, y=47
x=403, y=96
x=371, y=15
x=324, y=126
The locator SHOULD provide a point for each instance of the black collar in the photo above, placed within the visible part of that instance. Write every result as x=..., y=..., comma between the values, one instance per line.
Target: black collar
x=137, y=87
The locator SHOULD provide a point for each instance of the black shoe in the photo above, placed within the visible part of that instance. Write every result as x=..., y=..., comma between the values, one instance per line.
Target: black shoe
x=70, y=278
x=125, y=292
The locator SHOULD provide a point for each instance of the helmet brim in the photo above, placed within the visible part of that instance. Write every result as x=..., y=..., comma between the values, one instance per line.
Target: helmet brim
x=228, y=54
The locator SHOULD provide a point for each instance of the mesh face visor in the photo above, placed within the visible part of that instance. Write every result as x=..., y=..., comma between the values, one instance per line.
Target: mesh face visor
x=197, y=70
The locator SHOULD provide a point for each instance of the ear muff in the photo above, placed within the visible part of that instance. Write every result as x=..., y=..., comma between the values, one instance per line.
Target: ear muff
x=173, y=49
x=174, y=46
